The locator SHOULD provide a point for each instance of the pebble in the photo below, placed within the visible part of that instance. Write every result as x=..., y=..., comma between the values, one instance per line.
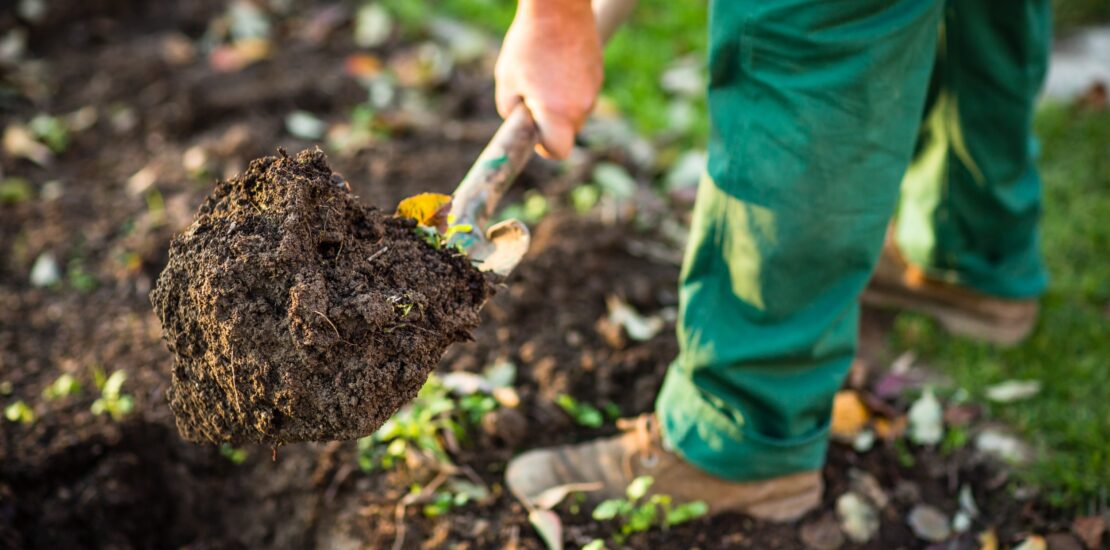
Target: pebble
x=858, y=519
x=45, y=272
x=929, y=523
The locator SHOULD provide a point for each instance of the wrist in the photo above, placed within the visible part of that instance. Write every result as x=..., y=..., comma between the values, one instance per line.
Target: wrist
x=562, y=9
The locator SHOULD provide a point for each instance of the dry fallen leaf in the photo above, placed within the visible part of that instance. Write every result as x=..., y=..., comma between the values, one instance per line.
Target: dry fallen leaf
x=640, y=328
x=849, y=416
x=362, y=65
x=551, y=498
x=1013, y=390
x=549, y=526
x=1089, y=530
x=1034, y=542
x=428, y=209
x=890, y=428
x=988, y=540
x=926, y=419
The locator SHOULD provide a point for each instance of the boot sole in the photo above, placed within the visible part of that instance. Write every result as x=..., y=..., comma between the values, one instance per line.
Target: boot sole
x=786, y=509
x=1003, y=332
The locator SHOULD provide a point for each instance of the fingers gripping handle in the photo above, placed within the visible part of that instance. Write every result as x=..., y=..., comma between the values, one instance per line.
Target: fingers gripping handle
x=511, y=147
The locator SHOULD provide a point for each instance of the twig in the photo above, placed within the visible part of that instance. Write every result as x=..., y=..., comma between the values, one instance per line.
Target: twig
x=330, y=323
x=413, y=498
x=376, y=254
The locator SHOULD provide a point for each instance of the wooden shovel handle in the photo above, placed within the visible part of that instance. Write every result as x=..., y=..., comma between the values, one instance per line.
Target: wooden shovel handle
x=511, y=147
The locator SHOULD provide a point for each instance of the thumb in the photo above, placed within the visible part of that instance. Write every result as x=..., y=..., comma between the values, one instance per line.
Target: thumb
x=556, y=131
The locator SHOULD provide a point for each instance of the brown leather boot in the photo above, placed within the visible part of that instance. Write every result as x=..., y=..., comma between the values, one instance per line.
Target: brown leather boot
x=899, y=285
x=612, y=463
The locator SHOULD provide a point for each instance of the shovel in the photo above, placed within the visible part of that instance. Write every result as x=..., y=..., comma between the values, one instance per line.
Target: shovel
x=500, y=247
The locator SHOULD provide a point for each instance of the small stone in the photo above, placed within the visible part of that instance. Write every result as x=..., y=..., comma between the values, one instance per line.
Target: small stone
x=45, y=272
x=858, y=519
x=929, y=523
x=961, y=522
x=822, y=534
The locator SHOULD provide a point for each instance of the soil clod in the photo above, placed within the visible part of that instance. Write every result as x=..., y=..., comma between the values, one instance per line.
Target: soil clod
x=295, y=313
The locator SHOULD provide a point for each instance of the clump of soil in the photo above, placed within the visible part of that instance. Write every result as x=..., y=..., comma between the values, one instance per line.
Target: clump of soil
x=295, y=313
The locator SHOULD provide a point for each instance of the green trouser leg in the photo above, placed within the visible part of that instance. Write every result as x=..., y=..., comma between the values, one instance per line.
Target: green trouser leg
x=972, y=198
x=815, y=107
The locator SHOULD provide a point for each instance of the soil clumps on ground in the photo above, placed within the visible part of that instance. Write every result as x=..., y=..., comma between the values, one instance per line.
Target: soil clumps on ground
x=296, y=313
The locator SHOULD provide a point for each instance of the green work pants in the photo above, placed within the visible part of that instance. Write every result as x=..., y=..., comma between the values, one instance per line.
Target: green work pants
x=817, y=110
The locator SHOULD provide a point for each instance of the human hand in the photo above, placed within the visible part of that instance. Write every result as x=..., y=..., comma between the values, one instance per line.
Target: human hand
x=551, y=61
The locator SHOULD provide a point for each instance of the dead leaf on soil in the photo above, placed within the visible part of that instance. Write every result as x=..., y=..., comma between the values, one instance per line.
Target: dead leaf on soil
x=1089, y=529
x=362, y=65
x=849, y=416
x=428, y=209
x=863, y=483
x=549, y=526
x=1013, y=390
x=640, y=328
x=20, y=142
x=1034, y=542
x=230, y=58
x=926, y=419
x=1002, y=445
x=891, y=428
x=988, y=540
x=551, y=498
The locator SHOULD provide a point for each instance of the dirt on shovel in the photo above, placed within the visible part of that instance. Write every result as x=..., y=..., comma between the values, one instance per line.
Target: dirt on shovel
x=295, y=313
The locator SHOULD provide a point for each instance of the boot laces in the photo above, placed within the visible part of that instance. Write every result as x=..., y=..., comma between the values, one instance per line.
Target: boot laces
x=647, y=438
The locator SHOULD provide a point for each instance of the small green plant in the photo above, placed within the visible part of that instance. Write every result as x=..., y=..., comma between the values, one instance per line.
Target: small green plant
x=417, y=426
x=954, y=439
x=584, y=414
x=903, y=454
x=438, y=240
x=112, y=400
x=476, y=405
x=79, y=278
x=458, y=493
x=596, y=544
x=235, y=455
x=19, y=412
x=63, y=386
x=584, y=197
x=635, y=513
x=51, y=131
x=15, y=190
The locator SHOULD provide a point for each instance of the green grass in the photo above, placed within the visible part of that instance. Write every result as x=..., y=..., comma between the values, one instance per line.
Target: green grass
x=1069, y=421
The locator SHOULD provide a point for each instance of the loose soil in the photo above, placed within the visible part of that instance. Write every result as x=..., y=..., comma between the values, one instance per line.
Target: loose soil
x=73, y=479
x=295, y=313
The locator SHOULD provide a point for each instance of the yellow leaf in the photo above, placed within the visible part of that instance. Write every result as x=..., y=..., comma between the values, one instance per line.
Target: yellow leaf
x=428, y=209
x=890, y=429
x=988, y=540
x=850, y=415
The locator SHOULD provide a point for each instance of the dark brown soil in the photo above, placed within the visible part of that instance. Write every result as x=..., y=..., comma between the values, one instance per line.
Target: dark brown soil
x=295, y=313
